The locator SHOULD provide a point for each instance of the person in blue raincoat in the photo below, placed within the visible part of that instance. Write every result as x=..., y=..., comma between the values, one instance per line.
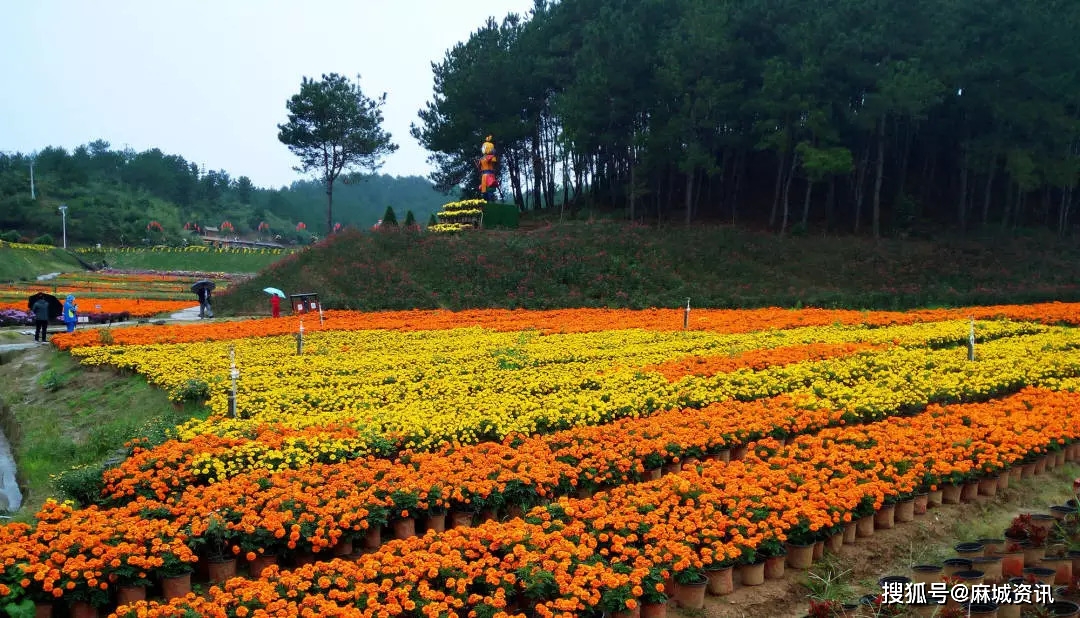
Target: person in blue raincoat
x=71, y=313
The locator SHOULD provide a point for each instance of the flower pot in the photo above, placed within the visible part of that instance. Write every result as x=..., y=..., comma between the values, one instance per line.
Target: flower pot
x=485, y=515
x=343, y=548
x=1016, y=473
x=723, y=455
x=1043, y=574
x=130, y=594
x=1063, y=608
x=969, y=491
x=1062, y=565
x=176, y=587
x=1060, y=512
x=653, y=475
x=1003, y=480
x=672, y=468
x=983, y=610
x=720, y=581
x=834, y=542
x=990, y=565
x=1043, y=520
x=1032, y=555
x=82, y=609
x=1010, y=611
x=691, y=596
x=583, y=493
x=921, y=503
x=43, y=610
x=1040, y=466
x=654, y=610
x=970, y=578
x=951, y=494
x=738, y=453
x=1075, y=555
x=799, y=555
x=259, y=564
x=774, y=567
x=373, y=538
x=864, y=527
x=220, y=572
x=953, y=566
x=1012, y=564
x=935, y=498
x=884, y=519
x=968, y=550
x=988, y=486
x=905, y=511
x=461, y=519
x=404, y=528
x=1059, y=459
x=302, y=557
x=436, y=522
x=850, y=532
x=628, y=613
x=992, y=547
x=690, y=463
x=1027, y=471
x=926, y=573
x=752, y=574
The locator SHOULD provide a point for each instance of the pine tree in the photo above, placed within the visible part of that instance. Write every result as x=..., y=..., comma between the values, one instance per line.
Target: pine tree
x=389, y=218
x=410, y=219
x=432, y=220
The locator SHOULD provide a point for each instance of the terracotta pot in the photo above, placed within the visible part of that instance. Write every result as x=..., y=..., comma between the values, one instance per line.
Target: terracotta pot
x=799, y=555
x=43, y=610
x=583, y=493
x=653, y=475
x=488, y=515
x=654, y=610
x=988, y=486
x=343, y=548
x=864, y=526
x=259, y=564
x=130, y=594
x=672, y=468
x=905, y=511
x=1062, y=565
x=720, y=582
x=81, y=609
x=629, y=613
x=834, y=542
x=920, y=504
x=993, y=547
x=690, y=463
x=1064, y=608
x=1032, y=555
x=404, y=528
x=461, y=519
x=723, y=455
x=302, y=557
x=968, y=550
x=982, y=610
x=1040, y=466
x=1044, y=521
x=969, y=491
x=1010, y=611
x=1016, y=473
x=1043, y=574
x=176, y=587
x=220, y=572
x=1075, y=555
x=752, y=574
x=1003, y=480
x=373, y=537
x=1012, y=563
x=1061, y=512
x=951, y=494
x=691, y=596
x=952, y=566
x=738, y=453
x=1027, y=471
x=1059, y=458
x=934, y=498
x=926, y=573
x=774, y=567
x=989, y=565
x=436, y=522
x=885, y=518
x=970, y=578
x=850, y=533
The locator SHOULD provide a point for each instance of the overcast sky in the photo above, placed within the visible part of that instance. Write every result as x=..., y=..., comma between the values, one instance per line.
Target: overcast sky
x=208, y=80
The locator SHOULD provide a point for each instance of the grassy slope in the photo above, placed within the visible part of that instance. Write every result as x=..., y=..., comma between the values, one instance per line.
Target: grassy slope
x=209, y=261
x=581, y=265
x=85, y=420
x=16, y=264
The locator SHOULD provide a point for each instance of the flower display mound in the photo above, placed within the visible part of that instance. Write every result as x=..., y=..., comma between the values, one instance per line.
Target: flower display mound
x=614, y=550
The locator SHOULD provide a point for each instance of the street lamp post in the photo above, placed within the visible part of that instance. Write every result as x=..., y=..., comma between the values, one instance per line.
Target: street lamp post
x=63, y=215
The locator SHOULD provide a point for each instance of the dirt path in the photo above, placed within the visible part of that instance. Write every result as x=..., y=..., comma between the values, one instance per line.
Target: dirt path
x=930, y=538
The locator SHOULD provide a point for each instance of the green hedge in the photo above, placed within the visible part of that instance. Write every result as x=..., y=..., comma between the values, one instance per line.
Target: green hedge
x=498, y=215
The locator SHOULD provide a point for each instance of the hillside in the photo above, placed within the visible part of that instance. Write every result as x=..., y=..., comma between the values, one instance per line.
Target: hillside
x=18, y=263
x=608, y=264
x=113, y=196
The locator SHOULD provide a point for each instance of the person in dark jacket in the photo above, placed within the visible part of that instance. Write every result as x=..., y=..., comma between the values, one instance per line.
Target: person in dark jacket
x=41, y=320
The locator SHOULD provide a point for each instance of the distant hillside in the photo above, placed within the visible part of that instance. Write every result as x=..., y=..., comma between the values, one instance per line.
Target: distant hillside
x=616, y=265
x=112, y=196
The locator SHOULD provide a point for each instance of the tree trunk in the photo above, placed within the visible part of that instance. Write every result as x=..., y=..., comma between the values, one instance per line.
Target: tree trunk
x=538, y=172
x=878, y=180
x=689, y=196
x=860, y=180
x=779, y=185
x=330, y=208
x=633, y=186
x=830, y=205
x=787, y=193
x=988, y=192
x=740, y=164
x=806, y=204
x=961, y=208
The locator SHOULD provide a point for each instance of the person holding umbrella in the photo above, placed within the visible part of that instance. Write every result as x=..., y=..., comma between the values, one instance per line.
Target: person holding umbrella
x=40, y=309
x=275, y=300
x=202, y=289
x=71, y=313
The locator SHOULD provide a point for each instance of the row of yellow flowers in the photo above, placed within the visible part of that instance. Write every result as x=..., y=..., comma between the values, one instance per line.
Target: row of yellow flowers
x=25, y=246
x=187, y=249
x=423, y=388
x=614, y=550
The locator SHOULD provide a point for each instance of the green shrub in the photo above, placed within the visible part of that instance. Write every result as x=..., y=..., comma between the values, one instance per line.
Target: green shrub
x=410, y=219
x=389, y=218
x=193, y=390
x=498, y=215
x=432, y=220
x=10, y=236
x=83, y=484
x=52, y=380
x=44, y=239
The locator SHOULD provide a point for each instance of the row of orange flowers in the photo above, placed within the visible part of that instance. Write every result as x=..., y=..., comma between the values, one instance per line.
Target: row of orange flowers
x=571, y=320
x=615, y=549
x=316, y=509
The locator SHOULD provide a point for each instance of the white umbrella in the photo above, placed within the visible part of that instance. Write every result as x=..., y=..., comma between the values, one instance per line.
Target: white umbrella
x=274, y=291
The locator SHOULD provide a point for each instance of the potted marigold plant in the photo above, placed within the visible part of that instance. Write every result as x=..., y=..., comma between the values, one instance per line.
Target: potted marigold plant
x=653, y=598
x=215, y=544
x=405, y=507
x=690, y=585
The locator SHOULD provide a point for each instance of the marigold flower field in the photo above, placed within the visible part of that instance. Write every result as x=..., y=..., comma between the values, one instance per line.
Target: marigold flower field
x=543, y=436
